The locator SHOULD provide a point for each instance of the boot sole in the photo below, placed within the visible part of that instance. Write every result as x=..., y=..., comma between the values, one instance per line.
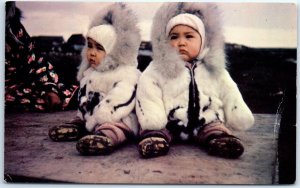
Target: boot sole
x=94, y=145
x=153, y=147
x=226, y=147
x=66, y=132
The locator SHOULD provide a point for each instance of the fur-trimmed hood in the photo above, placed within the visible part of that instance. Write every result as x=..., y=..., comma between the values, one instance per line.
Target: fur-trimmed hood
x=128, y=40
x=166, y=59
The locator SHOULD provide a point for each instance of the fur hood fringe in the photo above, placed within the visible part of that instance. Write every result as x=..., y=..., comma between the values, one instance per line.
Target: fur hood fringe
x=165, y=58
x=125, y=50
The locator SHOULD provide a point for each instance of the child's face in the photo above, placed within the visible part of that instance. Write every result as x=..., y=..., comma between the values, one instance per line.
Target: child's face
x=95, y=53
x=186, y=40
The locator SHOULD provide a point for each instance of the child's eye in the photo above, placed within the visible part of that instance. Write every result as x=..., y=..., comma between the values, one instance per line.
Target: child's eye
x=99, y=47
x=89, y=45
x=189, y=36
x=173, y=37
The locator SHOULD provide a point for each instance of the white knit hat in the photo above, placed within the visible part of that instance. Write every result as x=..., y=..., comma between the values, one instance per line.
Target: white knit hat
x=189, y=20
x=104, y=35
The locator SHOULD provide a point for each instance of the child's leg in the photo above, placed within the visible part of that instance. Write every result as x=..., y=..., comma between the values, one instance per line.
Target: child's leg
x=104, y=139
x=70, y=131
x=154, y=143
x=219, y=141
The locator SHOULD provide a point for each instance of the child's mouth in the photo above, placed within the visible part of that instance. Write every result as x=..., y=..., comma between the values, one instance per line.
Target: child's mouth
x=182, y=52
x=92, y=61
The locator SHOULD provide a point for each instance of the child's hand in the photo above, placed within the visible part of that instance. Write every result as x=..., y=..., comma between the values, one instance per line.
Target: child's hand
x=52, y=100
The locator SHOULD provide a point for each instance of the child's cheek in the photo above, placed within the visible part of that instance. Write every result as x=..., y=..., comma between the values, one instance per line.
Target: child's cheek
x=173, y=44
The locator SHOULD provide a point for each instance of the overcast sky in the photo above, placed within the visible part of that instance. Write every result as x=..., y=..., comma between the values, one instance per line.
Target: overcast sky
x=251, y=24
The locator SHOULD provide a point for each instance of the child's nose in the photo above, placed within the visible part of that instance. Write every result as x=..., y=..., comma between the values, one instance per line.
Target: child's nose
x=181, y=42
x=93, y=52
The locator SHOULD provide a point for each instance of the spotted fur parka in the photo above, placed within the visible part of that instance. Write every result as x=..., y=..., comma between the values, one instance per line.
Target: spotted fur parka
x=107, y=93
x=173, y=96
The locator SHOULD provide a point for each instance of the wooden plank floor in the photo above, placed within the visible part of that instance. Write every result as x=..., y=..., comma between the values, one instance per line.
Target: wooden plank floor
x=29, y=155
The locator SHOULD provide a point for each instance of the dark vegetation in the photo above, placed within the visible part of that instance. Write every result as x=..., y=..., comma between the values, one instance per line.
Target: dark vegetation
x=263, y=75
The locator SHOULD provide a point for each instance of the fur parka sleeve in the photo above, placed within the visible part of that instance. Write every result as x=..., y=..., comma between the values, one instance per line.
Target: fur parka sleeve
x=150, y=108
x=237, y=114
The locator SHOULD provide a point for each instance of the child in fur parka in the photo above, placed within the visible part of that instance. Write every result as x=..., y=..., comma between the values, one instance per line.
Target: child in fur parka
x=186, y=92
x=108, y=77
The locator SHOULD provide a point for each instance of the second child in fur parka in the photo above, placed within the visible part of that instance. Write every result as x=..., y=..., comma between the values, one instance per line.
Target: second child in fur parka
x=108, y=78
x=186, y=93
